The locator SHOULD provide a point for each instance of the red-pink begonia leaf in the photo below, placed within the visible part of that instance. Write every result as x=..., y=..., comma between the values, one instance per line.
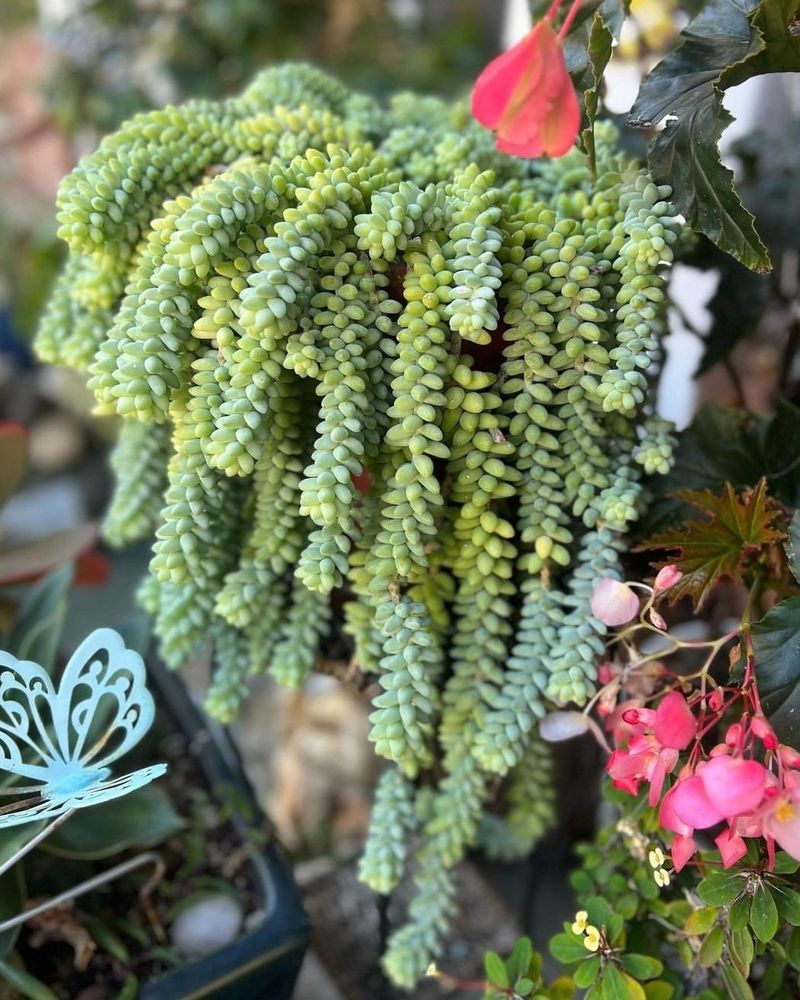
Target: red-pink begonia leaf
x=733, y=785
x=674, y=726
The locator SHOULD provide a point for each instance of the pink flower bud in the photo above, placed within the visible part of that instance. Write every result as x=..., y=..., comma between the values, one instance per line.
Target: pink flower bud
x=674, y=725
x=789, y=756
x=716, y=700
x=734, y=735
x=613, y=603
x=605, y=673
x=764, y=731
x=733, y=785
x=666, y=577
x=657, y=620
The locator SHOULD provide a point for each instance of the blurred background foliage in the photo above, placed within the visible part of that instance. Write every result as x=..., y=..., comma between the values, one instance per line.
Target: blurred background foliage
x=71, y=70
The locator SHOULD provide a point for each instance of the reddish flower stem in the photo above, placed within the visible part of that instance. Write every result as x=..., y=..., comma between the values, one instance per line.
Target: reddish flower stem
x=564, y=29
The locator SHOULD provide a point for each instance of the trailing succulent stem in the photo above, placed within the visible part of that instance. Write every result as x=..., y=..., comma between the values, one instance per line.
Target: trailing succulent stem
x=363, y=359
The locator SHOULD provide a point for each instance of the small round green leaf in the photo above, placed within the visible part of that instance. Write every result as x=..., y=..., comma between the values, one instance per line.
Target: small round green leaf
x=764, y=914
x=642, y=966
x=711, y=948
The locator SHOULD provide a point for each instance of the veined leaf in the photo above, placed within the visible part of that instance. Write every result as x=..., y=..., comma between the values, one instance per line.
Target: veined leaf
x=728, y=42
x=735, y=532
x=587, y=51
x=776, y=644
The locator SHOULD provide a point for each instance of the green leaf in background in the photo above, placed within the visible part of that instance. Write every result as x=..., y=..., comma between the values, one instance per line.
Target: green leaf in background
x=140, y=820
x=719, y=888
x=764, y=914
x=793, y=545
x=793, y=948
x=700, y=921
x=567, y=948
x=788, y=905
x=495, y=969
x=776, y=644
x=587, y=972
x=24, y=983
x=13, y=897
x=731, y=445
x=642, y=966
x=659, y=990
x=739, y=914
x=519, y=962
x=617, y=985
x=742, y=949
x=711, y=948
x=40, y=619
x=735, y=984
x=587, y=51
x=728, y=42
x=736, y=308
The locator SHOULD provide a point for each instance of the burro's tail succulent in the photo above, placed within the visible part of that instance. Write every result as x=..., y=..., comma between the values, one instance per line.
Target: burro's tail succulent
x=366, y=362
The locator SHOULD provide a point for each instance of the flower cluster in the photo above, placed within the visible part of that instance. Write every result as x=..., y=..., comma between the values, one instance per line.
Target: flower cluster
x=744, y=785
x=592, y=937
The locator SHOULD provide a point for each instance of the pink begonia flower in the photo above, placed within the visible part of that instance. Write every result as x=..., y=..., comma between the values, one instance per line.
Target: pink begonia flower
x=682, y=849
x=626, y=721
x=669, y=819
x=666, y=577
x=643, y=760
x=782, y=823
x=731, y=847
x=733, y=786
x=527, y=98
x=691, y=804
x=674, y=724
x=613, y=603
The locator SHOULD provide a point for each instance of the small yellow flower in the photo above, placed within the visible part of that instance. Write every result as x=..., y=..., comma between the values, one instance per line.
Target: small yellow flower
x=661, y=876
x=656, y=858
x=592, y=940
x=581, y=918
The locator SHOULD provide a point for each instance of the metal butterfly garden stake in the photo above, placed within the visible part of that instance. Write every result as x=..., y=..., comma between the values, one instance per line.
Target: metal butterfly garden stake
x=57, y=742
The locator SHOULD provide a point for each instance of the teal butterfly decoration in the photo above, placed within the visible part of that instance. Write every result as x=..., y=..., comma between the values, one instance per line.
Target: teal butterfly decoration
x=62, y=739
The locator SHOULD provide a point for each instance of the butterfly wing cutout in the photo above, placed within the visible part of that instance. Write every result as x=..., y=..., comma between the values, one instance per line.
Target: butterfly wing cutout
x=103, y=707
x=64, y=738
x=27, y=694
x=104, y=791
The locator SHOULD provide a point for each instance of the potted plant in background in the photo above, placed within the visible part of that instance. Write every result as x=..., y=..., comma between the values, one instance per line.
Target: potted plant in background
x=213, y=912
x=220, y=917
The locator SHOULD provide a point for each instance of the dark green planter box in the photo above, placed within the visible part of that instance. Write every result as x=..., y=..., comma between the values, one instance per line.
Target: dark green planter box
x=262, y=964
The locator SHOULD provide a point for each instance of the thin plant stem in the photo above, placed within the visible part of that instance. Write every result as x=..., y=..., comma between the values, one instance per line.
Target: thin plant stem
x=34, y=841
x=563, y=30
x=148, y=857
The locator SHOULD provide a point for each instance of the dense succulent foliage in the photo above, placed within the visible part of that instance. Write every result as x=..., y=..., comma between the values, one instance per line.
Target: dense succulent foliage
x=359, y=352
